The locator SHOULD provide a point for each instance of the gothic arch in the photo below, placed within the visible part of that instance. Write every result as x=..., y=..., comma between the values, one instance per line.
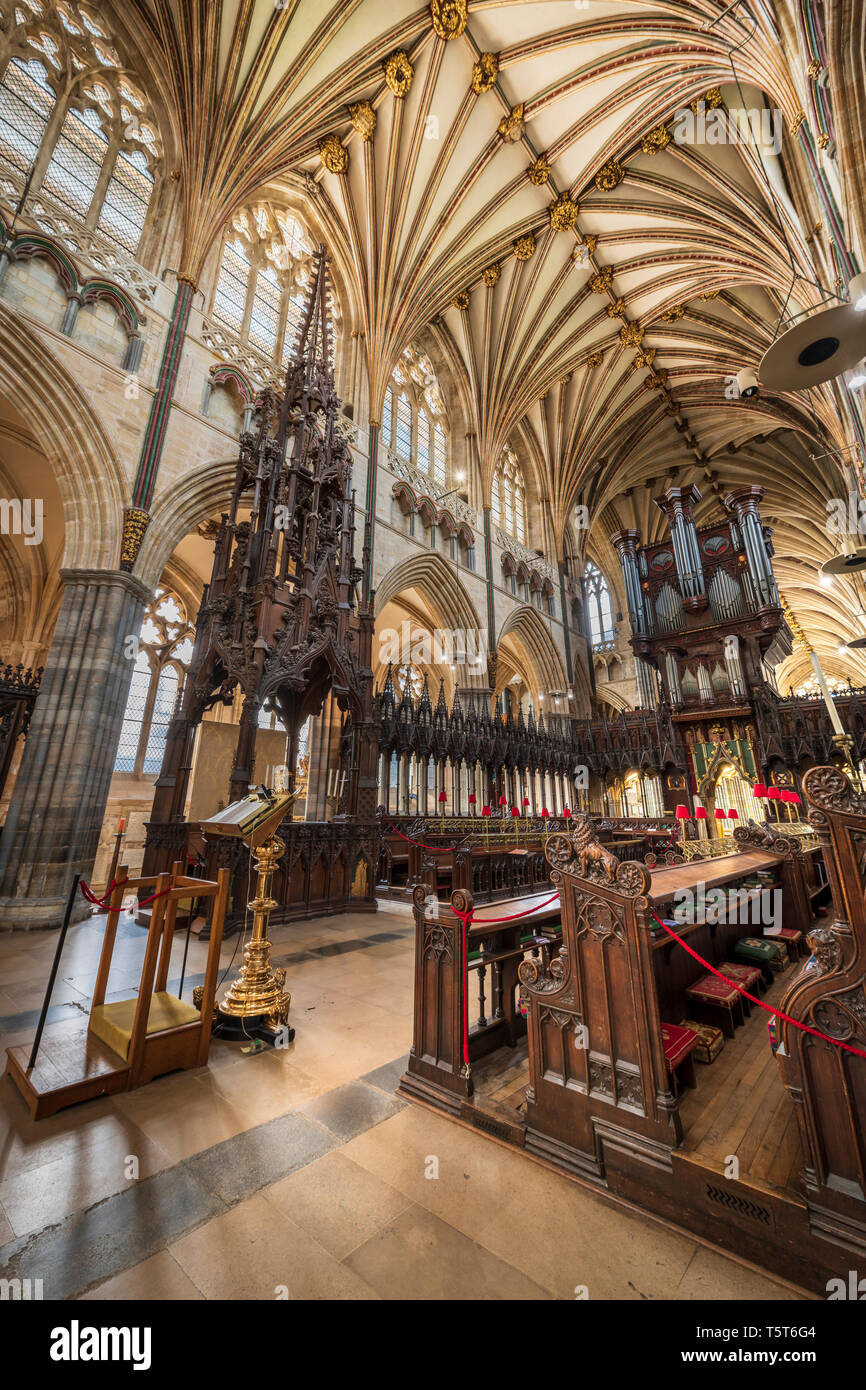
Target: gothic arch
x=92, y=485
x=190, y=499
x=527, y=627
x=436, y=581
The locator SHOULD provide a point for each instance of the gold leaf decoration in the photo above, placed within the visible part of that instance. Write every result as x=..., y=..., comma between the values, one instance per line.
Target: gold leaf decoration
x=539, y=172
x=617, y=309
x=658, y=378
x=823, y=140
x=656, y=139
x=600, y=282
x=707, y=295
x=491, y=274
x=485, y=73
x=363, y=119
x=710, y=101
x=631, y=335
x=398, y=72
x=797, y=122
x=563, y=213
x=449, y=17
x=609, y=176
x=334, y=154
x=595, y=359
x=644, y=359
x=512, y=126
x=673, y=314
x=461, y=300
x=524, y=246
x=590, y=241
x=814, y=68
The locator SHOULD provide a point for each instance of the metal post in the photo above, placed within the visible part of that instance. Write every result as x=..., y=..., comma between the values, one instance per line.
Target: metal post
x=53, y=976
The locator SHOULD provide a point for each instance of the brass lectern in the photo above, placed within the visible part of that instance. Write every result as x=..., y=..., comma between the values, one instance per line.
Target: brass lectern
x=256, y=1004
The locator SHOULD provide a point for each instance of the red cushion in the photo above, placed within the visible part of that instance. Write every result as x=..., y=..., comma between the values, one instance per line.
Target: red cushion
x=788, y=934
x=714, y=990
x=678, y=1043
x=746, y=975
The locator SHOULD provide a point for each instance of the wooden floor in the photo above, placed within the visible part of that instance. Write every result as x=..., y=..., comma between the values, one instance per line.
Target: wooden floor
x=503, y=1077
x=742, y=1108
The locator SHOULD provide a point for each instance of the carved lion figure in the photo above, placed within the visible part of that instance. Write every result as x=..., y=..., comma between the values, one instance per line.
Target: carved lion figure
x=589, y=851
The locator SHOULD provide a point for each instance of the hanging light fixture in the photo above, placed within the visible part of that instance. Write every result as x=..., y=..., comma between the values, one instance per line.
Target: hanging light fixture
x=819, y=344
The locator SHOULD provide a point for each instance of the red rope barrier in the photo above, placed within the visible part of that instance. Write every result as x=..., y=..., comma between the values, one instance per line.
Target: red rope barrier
x=105, y=902
x=430, y=848
x=804, y=1027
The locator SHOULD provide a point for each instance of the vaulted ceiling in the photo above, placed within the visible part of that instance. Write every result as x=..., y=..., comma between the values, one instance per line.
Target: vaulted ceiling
x=523, y=178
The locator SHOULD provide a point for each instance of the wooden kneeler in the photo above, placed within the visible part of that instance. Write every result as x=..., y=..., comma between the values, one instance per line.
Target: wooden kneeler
x=130, y=1042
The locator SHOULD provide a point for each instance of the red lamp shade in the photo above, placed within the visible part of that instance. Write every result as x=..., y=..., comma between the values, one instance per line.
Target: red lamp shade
x=774, y=794
x=514, y=811
x=732, y=814
x=503, y=800
x=682, y=813
x=701, y=813
x=485, y=810
x=443, y=796
x=794, y=798
x=759, y=789
x=471, y=798
x=545, y=813
x=719, y=813
x=567, y=814
x=526, y=801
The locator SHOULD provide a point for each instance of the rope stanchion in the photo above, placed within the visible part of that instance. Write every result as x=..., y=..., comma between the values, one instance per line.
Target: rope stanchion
x=804, y=1027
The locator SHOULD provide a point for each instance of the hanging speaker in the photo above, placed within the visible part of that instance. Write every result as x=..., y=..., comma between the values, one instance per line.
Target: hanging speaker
x=846, y=564
x=857, y=644
x=815, y=350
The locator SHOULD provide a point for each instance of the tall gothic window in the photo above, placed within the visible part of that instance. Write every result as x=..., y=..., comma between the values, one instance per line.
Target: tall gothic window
x=508, y=503
x=164, y=652
x=71, y=114
x=599, y=610
x=264, y=277
x=414, y=424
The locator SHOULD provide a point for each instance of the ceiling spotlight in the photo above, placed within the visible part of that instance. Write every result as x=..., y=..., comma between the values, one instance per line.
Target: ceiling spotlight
x=826, y=581
x=747, y=383
x=857, y=291
x=842, y=648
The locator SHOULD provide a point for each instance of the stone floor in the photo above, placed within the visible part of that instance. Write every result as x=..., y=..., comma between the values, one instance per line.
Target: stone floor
x=300, y=1173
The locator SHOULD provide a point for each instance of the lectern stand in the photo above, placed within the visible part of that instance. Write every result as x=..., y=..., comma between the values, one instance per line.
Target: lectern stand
x=256, y=1004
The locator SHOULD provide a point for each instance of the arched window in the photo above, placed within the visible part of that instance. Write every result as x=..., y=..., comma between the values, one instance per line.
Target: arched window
x=599, y=610
x=509, y=497
x=71, y=114
x=264, y=275
x=403, y=443
x=164, y=651
x=419, y=403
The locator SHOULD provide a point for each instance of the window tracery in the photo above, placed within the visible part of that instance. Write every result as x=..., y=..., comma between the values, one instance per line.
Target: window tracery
x=164, y=651
x=414, y=423
x=509, y=496
x=598, y=604
x=265, y=275
x=71, y=113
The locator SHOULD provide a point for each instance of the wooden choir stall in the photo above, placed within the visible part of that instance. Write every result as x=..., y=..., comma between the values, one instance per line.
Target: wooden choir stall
x=581, y=1030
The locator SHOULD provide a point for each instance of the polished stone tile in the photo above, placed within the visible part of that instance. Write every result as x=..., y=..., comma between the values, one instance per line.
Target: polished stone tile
x=418, y=1256
x=351, y=1109
x=242, y=1165
x=158, y=1279
x=387, y=1077
x=112, y=1236
x=256, y=1252
x=336, y=1202
x=711, y=1275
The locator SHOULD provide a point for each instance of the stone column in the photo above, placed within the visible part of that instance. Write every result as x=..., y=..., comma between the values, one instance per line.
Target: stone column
x=57, y=807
